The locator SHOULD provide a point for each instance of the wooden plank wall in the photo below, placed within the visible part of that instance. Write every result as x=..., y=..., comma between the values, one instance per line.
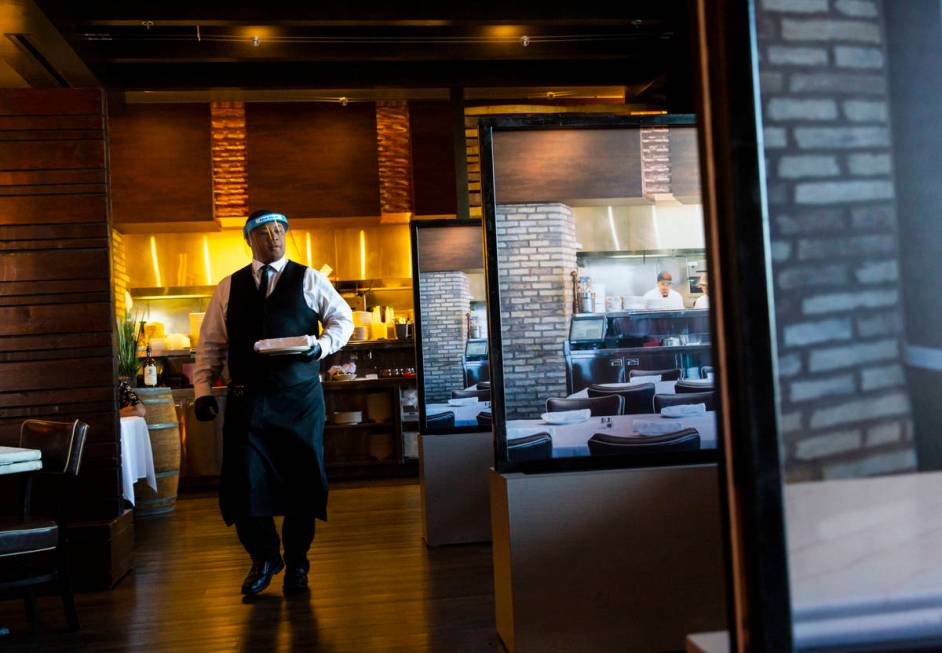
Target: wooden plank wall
x=56, y=305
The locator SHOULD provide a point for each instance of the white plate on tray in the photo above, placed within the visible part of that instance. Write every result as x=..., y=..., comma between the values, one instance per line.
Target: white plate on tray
x=284, y=351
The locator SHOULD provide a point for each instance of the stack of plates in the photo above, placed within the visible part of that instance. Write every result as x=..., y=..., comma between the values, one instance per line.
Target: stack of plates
x=348, y=417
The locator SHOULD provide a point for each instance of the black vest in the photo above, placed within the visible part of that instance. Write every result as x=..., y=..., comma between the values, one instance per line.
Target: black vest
x=250, y=318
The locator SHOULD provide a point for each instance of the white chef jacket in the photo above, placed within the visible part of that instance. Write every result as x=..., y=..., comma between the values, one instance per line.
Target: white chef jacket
x=673, y=301
x=320, y=296
x=702, y=302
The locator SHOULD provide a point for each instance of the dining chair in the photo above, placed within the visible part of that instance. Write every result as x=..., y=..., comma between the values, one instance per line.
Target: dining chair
x=693, y=385
x=437, y=421
x=662, y=400
x=605, y=444
x=638, y=399
x=483, y=385
x=538, y=446
x=610, y=404
x=706, y=371
x=485, y=420
x=34, y=550
x=482, y=395
x=671, y=374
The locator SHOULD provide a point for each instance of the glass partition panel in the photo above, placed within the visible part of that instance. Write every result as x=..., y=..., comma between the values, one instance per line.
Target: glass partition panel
x=598, y=281
x=451, y=326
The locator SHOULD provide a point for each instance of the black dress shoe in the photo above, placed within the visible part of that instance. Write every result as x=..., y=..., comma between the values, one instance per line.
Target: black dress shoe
x=295, y=581
x=260, y=575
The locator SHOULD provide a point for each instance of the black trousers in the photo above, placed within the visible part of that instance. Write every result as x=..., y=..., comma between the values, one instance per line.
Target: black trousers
x=260, y=538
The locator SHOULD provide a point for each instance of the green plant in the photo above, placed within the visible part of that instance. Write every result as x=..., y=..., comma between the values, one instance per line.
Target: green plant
x=129, y=333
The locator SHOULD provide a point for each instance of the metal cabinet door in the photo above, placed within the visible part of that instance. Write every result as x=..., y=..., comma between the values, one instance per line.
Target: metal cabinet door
x=594, y=367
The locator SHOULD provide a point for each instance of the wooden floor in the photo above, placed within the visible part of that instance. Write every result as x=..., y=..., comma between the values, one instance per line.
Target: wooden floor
x=376, y=587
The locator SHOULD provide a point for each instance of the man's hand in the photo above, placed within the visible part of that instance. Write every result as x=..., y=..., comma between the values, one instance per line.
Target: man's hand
x=206, y=408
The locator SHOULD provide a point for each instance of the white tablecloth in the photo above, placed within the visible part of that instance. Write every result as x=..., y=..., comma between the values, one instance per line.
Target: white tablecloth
x=14, y=460
x=572, y=440
x=661, y=388
x=137, y=458
x=466, y=415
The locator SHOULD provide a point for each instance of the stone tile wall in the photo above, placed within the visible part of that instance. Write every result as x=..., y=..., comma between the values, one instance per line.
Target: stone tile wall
x=845, y=409
x=536, y=250
x=445, y=300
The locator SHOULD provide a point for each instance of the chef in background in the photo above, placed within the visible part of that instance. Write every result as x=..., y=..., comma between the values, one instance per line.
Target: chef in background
x=704, y=300
x=662, y=296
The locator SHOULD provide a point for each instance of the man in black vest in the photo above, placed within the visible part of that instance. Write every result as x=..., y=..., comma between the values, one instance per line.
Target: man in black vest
x=273, y=434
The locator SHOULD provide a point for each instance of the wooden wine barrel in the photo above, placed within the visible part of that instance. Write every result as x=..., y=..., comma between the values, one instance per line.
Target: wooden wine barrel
x=164, y=430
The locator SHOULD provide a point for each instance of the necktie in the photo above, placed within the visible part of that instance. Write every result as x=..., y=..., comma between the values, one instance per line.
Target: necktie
x=265, y=280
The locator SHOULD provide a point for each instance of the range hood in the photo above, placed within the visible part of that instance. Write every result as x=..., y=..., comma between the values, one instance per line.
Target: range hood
x=638, y=228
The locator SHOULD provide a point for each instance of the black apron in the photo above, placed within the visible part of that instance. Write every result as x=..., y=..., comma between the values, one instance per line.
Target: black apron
x=273, y=433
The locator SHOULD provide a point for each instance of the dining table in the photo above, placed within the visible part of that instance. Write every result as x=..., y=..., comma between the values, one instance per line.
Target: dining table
x=571, y=440
x=18, y=460
x=137, y=456
x=466, y=413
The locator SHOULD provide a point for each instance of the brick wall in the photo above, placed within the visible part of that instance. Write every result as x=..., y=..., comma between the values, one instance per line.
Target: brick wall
x=446, y=300
x=536, y=250
x=845, y=410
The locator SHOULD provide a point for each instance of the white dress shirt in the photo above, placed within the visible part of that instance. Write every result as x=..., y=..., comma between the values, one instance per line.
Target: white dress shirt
x=673, y=301
x=702, y=302
x=320, y=296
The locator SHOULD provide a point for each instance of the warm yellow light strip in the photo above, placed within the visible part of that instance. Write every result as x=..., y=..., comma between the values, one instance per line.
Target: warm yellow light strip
x=307, y=241
x=153, y=255
x=209, y=269
x=362, y=254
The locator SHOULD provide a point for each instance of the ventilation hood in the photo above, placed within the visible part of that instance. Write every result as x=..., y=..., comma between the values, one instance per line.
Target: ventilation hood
x=640, y=228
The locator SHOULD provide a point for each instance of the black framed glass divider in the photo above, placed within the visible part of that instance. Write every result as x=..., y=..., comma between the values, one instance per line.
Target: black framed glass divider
x=451, y=326
x=597, y=275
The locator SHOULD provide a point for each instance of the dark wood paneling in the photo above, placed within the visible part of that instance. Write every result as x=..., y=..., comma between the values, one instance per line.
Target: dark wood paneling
x=52, y=209
x=433, y=161
x=51, y=178
x=313, y=160
x=12, y=288
x=685, y=162
x=31, y=320
x=566, y=165
x=161, y=163
x=47, y=266
x=52, y=155
x=41, y=123
x=50, y=102
x=43, y=375
x=452, y=248
x=56, y=308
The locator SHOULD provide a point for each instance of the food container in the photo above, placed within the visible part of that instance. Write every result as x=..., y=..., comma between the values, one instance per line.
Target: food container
x=362, y=318
x=361, y=333
x=348, y=417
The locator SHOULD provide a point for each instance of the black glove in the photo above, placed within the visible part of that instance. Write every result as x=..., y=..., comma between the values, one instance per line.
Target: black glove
x=206, y=408
x=314, y=353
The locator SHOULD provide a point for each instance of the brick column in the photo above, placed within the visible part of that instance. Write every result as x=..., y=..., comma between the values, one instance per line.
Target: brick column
x=845, y=410
x=446, y=300
x=536, y=250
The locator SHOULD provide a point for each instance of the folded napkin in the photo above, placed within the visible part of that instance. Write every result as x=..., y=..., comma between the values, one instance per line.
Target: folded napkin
x=656, y=427
x=684, y=410
x=9, y=455
x=463, y=401
x=280, y=343
x=567, y=416
x=651, y=378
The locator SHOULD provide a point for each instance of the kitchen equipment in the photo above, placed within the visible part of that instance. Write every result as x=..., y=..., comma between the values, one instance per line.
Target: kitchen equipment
x=196, y=323
x=362, y=318
x=404, y=331
x=671, y=341
x=361, y=333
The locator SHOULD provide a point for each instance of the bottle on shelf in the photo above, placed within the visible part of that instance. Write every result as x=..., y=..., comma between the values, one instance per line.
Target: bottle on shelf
x=150, y=370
